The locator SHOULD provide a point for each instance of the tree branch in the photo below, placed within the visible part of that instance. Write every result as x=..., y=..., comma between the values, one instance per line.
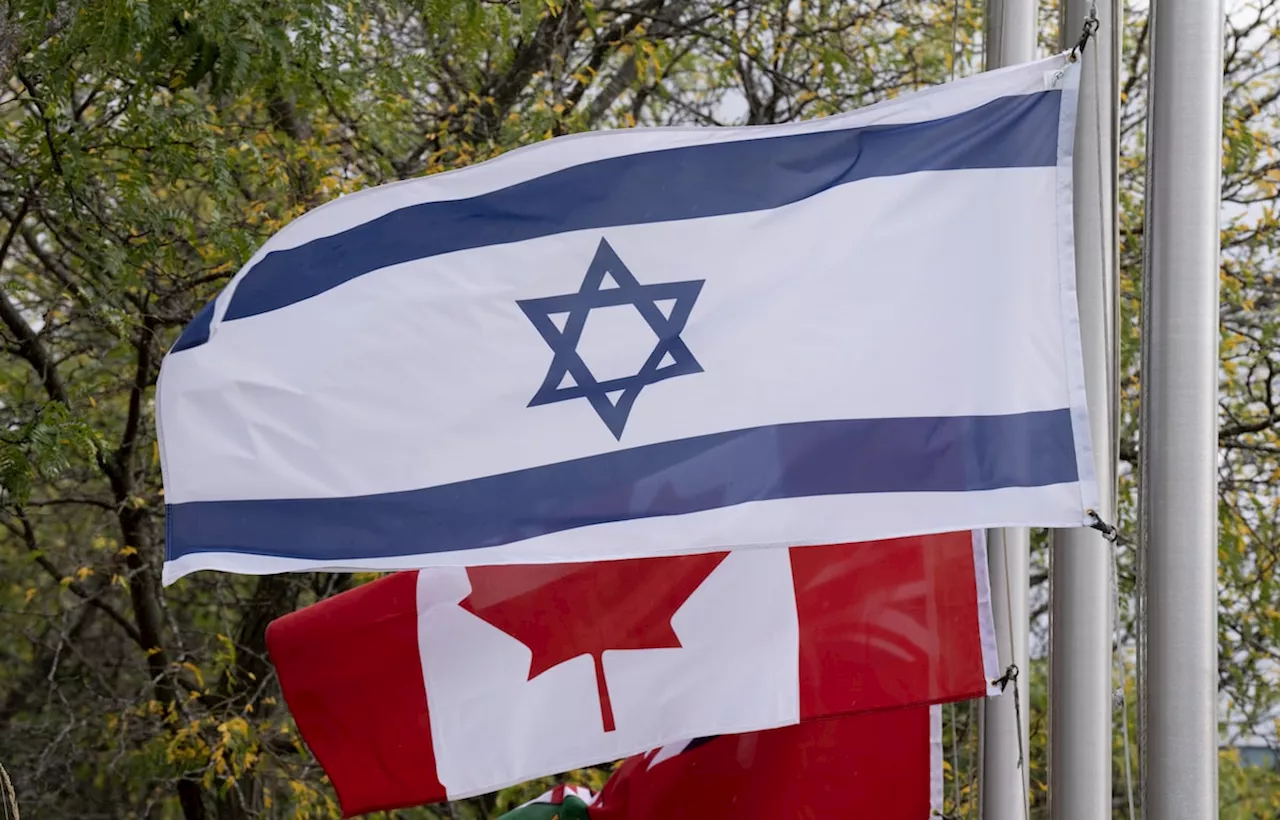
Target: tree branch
x=29, y=346
x=530, y=57
x=91, y=598
x=42, y=668
x=11, y=37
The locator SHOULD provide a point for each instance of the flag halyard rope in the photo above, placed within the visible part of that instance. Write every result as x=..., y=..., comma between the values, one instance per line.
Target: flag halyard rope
x=1121, y=697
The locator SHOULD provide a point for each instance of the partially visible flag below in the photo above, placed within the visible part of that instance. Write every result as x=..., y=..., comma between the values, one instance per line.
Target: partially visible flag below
x=885, y=765
x=447, y=683
x=561, y=803
x=652, y=341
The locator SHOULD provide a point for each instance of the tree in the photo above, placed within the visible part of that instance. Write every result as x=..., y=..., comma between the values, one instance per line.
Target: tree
x=147, y=149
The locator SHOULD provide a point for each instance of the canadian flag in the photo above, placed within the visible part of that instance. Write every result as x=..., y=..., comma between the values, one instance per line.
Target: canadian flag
x=446, y=683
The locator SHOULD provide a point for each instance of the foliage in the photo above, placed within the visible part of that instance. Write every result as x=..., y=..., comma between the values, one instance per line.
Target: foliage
x=148, y=148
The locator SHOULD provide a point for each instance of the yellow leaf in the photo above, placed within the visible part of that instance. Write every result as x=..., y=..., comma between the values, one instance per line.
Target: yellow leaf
x=195, y=670
x=31, y=593
x=84, y=572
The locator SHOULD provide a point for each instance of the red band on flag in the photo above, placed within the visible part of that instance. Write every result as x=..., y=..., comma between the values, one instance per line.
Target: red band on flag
x=882, y=622
x=351, y=672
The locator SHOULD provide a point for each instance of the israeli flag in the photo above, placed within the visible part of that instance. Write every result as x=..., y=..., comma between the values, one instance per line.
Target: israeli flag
x=652, y=341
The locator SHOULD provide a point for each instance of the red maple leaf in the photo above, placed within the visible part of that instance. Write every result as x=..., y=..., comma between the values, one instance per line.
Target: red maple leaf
x=564, y=611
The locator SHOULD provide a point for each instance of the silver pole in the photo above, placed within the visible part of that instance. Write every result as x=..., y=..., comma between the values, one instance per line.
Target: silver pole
x=1010, y=36
x=1179, y=422
x=1009, y=39
x=1080, y=632
x=1004, y=781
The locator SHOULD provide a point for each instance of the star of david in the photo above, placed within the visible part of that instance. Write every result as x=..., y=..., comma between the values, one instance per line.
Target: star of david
x=570, y=378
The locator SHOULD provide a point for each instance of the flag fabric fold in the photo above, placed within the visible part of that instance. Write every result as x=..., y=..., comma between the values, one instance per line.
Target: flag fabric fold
x=886, y=765
x=624, y=344
x=448, y=682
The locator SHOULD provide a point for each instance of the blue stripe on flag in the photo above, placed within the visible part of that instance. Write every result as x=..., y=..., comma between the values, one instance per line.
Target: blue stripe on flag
x=197, y=333
x=951, y=454
x=659, y=186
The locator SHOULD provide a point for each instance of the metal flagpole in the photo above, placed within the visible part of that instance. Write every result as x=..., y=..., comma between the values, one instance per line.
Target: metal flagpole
x=1004, y=784
x=1009, y=39
x=1179, y=413
x=1080, y=633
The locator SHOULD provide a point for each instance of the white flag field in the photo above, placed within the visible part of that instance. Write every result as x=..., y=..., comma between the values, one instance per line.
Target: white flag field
x=652, y=341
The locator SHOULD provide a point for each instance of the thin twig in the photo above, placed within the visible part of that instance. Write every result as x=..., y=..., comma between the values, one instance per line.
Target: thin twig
x=10, y=796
